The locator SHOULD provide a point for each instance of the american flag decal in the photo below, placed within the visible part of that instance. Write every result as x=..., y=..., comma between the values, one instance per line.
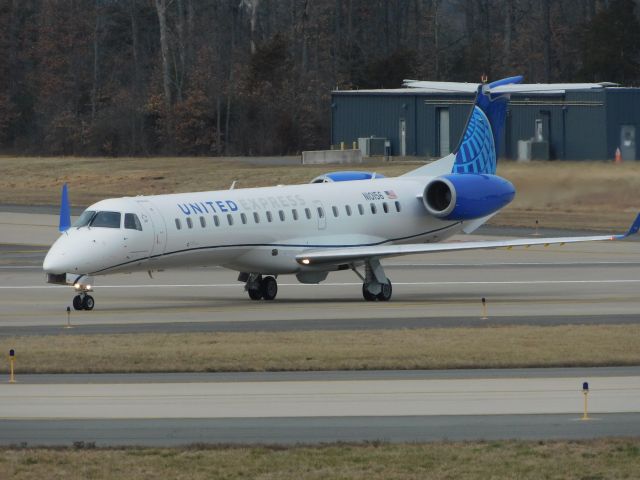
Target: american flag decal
x=391, y=195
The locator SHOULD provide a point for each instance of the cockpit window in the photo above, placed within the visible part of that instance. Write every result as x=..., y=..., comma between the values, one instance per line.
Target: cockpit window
x=106, y=220
x=84, y=219
x=132, y=222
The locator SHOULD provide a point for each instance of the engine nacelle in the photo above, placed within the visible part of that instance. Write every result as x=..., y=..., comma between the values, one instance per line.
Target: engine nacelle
x=466, y=196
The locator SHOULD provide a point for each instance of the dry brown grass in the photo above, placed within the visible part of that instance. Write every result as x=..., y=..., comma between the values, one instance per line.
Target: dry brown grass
x=587, y=195
x=438, y=348
x=595, y=459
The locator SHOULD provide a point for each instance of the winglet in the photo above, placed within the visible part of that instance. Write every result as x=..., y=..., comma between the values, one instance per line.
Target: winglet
x=635, y=227
x=65, y=211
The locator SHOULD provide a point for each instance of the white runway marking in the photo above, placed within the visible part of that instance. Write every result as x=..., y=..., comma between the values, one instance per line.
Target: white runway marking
x=345, y=284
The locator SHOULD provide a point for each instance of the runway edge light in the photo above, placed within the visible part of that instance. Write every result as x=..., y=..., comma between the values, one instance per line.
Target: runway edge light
x=12, y=358
x=585, y=391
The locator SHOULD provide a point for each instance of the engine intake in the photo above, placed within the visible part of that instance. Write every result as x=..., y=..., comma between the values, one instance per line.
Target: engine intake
x=466, y=196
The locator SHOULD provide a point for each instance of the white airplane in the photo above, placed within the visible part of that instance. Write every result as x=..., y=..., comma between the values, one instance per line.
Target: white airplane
x=340, y=221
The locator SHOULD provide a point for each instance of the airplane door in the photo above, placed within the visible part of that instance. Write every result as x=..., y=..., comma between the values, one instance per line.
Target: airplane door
x=321, y=214
x=152, y=219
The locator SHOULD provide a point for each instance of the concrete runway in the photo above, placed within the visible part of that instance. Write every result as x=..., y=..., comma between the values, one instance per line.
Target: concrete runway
x=574, y=284
x=323, y=406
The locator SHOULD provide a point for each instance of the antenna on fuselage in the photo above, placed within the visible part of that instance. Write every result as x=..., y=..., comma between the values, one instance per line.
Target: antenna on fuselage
x=233, y=185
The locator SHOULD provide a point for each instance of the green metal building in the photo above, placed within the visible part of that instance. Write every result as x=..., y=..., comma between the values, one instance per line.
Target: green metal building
x=585, y=124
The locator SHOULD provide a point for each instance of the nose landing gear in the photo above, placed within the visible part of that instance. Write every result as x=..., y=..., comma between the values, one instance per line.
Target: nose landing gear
x=83, y=301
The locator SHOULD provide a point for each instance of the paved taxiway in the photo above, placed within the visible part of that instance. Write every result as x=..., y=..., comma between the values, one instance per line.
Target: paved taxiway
x=322, y=406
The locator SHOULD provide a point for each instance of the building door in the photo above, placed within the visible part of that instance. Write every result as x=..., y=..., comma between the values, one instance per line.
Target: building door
x=443, y=132
x=628, y=142
x=403, y=137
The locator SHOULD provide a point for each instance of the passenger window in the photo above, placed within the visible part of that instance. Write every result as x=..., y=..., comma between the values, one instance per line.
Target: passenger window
x=385, y=207
x=348, y=210
x=229, y=219
x=178, y=224
x=294, y=212
x=397, y=206
x=216, y=221
x=269, y=217
x=256, y=217
x=189, y=222
x=84, y=219
x=320, y=212
x=307, y=212
x=106, y=220
x=132, y=222
x=281, y=215
x=243, y=218
x=203, y=222
x=360, y=209
x=373, y=208
x=335, y=211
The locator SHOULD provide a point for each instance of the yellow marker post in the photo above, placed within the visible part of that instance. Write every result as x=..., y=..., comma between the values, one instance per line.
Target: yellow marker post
x=585, y=392
x=68, y=325
x=12, y=358
x=484, y=309
x=341, y=145
x=355, y=145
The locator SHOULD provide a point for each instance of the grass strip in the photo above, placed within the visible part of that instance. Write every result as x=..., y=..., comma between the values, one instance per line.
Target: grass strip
x=437, y=348
x=566, y=195
x=594, y=459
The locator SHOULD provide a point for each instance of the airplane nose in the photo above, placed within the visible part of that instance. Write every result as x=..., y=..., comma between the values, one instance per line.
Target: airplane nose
x=56, y=260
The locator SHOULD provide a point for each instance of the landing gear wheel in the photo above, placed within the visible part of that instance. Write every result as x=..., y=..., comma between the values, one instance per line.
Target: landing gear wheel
x=254, y=294
x=269, y=288
x=385, y=293
x=368, y=296
x=88, y=302
x=77, y=303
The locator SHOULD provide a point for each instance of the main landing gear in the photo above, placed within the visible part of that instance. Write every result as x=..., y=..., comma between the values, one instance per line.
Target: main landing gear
x=259, y=287
x=83, y=301
x=376, y=285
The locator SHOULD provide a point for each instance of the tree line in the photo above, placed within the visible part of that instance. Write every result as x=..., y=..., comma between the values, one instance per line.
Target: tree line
x=253, y=77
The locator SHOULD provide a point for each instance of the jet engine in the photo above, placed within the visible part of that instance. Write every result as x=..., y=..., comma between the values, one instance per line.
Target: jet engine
x=466, y=196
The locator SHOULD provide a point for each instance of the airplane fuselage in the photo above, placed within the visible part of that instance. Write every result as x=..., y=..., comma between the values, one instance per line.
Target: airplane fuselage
x=250, y=230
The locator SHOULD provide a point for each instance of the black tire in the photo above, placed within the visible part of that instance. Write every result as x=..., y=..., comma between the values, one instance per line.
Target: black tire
x=269, y=288
x=368, y=296
x=385, y=293
x=88, y=303
x=254, y=294
x=77, y=303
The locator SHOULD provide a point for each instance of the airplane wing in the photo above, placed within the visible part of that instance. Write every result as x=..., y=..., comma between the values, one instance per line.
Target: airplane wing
x=350, y=254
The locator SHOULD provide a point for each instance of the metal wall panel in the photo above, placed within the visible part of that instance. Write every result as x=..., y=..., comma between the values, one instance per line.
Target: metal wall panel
x=623, y=108
x=581, y=125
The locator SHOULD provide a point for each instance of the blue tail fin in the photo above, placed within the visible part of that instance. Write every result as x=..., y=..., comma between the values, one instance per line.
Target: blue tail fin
x=477, y=152
x=65, y=210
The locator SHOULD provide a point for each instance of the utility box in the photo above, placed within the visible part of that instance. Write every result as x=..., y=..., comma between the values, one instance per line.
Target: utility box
x=372, y=146
x=524, y=150
x=540, y=150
